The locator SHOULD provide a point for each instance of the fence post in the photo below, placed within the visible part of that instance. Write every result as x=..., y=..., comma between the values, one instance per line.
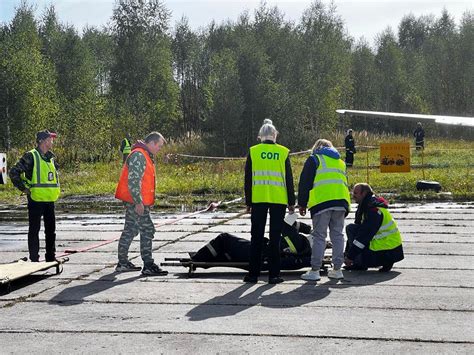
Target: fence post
x=367, y=163
x=423, y=162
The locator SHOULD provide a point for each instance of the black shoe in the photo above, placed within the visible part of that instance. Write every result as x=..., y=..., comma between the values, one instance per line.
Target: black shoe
x=354, y=267
x=128, y=266
x=275, y=280
x=153, y=270
x=386, y=268
x=250, y=279
x=50, y=258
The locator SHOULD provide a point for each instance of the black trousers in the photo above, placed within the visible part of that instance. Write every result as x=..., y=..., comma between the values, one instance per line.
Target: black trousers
x=259, y=219
x=36, y=210
x=349, y=158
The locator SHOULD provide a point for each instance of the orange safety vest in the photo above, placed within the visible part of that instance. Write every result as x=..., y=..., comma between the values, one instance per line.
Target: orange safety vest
x=148, y=182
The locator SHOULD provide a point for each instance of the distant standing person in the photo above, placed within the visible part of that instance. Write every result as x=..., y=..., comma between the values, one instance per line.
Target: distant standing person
x=136, y=188
x=349, y=143
x=323, y=189
x=35, y=174
x=268, y=188
x=419, y=135
x=125, y=147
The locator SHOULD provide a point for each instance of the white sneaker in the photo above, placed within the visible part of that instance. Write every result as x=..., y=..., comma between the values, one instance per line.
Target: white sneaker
x=311, y=275
x=335, y=274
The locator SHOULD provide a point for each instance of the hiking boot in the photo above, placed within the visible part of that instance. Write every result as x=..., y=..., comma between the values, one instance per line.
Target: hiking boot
x=335, y=274
x=49, y=258
x=275, y=280
x=355, y=267
x=153, y=270
x=128, y=266
x=386, y=268
x=311, y=275
x=250, y=279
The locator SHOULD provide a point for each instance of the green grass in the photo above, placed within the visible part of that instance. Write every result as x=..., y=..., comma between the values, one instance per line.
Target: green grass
x=185, y=181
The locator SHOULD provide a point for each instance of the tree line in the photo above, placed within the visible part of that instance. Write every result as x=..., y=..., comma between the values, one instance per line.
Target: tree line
x=220, y=82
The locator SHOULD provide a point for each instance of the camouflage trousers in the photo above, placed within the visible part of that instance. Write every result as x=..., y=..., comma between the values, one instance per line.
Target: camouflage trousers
x=135, y=224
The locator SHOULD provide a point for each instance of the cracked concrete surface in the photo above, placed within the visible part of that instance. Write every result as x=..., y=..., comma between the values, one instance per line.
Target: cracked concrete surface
x=423, y=305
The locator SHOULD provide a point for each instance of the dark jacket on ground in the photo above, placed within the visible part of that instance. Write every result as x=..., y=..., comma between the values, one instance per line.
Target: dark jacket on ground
x=368, y=218
x=307, y=180
x=300, y=242
x=288, y=178
x=25, y=165
x=230, y=248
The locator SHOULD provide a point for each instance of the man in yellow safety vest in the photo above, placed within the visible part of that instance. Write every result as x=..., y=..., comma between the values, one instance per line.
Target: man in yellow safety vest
x=374, y=239
x=126, y=147
x=35, y=174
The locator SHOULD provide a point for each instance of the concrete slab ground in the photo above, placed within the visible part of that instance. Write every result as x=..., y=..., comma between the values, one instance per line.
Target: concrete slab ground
x=423, y=305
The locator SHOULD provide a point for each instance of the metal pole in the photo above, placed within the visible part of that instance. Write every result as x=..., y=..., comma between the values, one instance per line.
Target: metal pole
x=367, y=162
x=423, y=162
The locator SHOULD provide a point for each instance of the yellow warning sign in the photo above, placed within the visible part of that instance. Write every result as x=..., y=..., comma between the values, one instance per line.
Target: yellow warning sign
x=395, y=157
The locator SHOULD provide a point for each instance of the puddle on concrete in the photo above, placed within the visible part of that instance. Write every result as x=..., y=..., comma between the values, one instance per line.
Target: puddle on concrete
x=110, y=205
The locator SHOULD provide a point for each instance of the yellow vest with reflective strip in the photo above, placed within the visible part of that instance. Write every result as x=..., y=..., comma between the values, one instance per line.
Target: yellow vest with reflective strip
x=388, y=236
x=330, y=182
x=268, y=173
x=44, y=183
x=127, y=148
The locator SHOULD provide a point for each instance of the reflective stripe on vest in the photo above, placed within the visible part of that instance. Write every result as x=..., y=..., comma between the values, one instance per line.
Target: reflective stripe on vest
x=290, y=245
x=44, y=183
x=268, y=173
x=127, y=147
x=388, y=236
x=330, y=182
x=211, y=249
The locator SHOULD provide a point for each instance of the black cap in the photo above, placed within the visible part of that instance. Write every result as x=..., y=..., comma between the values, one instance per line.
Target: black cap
x=42, y=135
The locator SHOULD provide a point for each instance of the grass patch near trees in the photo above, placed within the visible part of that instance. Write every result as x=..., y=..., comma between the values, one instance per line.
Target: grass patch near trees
x=183, y=181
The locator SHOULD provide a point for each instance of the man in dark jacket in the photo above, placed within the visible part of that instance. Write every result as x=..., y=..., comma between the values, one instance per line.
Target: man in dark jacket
x=295, y=247
x=419, y=135
x=35, y=175
x=349, y=143
x=374, y=239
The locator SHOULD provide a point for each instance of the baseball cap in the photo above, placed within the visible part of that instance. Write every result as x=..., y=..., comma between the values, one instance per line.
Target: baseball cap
x=42, y=135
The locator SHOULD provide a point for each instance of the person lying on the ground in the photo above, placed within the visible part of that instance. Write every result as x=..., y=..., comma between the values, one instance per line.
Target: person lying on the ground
x=295, y=247
x=374, y=239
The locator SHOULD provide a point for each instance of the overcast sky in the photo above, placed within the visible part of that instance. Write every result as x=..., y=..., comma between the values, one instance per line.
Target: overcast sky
x=364, y=18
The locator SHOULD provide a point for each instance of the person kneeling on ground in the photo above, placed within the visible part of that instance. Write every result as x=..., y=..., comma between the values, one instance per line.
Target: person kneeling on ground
x=374, y=239
x=295, y=247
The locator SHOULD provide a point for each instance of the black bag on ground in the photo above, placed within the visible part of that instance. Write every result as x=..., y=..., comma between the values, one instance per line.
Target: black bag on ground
x=422, y=185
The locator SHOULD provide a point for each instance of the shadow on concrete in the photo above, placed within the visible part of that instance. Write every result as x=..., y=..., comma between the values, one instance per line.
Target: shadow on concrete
x=311, y=291
x=23, y=282
x=240, y=299
x=77, y=294
x=229, y=304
